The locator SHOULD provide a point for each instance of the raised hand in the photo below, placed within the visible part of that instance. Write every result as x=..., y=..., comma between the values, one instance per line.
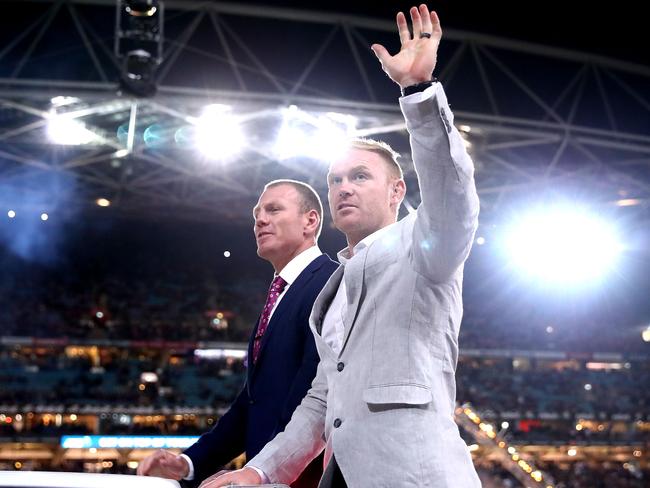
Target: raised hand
x=416, y=59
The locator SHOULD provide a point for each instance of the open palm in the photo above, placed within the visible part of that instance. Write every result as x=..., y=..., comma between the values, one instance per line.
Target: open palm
x=416, y=59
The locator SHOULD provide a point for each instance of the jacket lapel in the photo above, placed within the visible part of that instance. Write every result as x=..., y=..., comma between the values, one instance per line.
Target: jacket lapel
x=352, y=273
x=353, y=276
x=289, y=301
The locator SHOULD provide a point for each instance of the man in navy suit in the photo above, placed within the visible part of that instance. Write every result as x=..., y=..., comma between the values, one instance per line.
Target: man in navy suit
x=282, y=357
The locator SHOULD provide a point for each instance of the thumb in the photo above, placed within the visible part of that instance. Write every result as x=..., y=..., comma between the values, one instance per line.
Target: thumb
x=381, y=52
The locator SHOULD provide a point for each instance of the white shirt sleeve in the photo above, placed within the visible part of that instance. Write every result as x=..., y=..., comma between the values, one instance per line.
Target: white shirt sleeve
x=190, y=464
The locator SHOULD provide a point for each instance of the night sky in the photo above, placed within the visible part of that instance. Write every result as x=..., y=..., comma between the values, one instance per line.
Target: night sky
x=612, y=29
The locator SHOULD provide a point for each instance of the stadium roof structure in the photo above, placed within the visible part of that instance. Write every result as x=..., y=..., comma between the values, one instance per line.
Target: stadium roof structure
x=538, y=120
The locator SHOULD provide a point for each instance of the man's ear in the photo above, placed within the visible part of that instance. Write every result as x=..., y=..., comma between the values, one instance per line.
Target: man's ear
x=398, y=191
x=313, y=221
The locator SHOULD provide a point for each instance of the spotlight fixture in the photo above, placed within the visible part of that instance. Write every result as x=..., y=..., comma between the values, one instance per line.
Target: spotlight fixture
x=141, y=8
x=138, y=44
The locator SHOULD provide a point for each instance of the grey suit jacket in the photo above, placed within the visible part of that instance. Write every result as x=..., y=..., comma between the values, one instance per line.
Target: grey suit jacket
x=384, y=406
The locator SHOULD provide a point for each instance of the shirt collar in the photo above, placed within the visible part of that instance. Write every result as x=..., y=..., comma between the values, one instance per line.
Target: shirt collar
x=297, y=265
x=344, y=254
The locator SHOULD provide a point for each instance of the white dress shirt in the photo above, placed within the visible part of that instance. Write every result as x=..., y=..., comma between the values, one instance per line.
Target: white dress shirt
x=289, y=274
x=333, y=330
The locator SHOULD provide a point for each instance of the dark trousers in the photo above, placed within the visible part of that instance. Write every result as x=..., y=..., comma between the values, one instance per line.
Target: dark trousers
x=311, y=475
x=332, y=477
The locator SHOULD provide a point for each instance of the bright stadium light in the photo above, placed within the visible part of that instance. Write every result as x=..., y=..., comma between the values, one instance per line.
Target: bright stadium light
x=65, y=130
x=323, y=137
x=62, y=101
x=563, y=246
x=218, y=133
x=645, y=335
x=291, y=138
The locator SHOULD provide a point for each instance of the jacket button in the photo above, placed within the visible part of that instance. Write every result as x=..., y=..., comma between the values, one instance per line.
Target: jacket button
x=337, y=423
x=340, y=366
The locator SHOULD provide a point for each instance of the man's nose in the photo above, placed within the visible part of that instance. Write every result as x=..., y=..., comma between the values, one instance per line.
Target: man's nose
x=345, y=189
x=261, y=220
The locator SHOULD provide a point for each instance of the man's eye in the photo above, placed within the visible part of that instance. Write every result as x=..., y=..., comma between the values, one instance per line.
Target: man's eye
x=360, y=176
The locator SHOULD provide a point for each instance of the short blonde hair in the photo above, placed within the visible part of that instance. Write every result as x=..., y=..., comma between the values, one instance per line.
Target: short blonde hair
x=387, y=153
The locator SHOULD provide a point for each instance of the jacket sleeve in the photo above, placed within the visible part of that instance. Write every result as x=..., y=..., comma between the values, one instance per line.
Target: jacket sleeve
x=447, y=218
x=286, y=456
x=304, y=376
x=224, y=442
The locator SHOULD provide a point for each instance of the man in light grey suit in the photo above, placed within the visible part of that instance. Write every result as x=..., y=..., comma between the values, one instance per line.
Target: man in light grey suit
x=386, y=324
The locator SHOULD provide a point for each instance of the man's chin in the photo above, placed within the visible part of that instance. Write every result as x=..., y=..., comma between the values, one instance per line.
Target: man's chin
x=346, y=223
x=263, y=252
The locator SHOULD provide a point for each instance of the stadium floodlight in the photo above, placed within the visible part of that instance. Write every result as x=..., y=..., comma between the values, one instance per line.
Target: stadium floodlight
x=65, y=130
x=218, y=134
x=138, y=44
x=323, y=137
x=141, y=8
x=645, y=335
x=62, y=101
x=138, y=72
x=563, y=245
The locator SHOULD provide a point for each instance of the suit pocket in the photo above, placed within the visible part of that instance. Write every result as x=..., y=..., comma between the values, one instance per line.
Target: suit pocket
x=406, y=394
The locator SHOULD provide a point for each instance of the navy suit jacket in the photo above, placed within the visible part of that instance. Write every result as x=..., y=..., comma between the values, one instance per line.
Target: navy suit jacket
x=275, y=384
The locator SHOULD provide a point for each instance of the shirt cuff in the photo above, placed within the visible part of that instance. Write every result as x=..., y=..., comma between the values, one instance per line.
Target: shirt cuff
x=421, y=96
x=264, y=479
x=190, y=464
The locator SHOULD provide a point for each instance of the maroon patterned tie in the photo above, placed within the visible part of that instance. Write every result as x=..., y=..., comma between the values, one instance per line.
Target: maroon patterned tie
x=276, y=289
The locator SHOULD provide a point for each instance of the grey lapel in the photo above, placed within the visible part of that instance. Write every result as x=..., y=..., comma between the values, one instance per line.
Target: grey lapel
x=353, y=275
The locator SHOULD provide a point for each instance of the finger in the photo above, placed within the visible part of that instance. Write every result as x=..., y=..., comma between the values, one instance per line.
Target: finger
x=144, y=466
x=436, y=28
x=206, y=483
x=425, y=19
x=416, y=20
x=403, y=28
x=381, y=52
x=215, y=483
x=210, y=479
x=211, y=482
